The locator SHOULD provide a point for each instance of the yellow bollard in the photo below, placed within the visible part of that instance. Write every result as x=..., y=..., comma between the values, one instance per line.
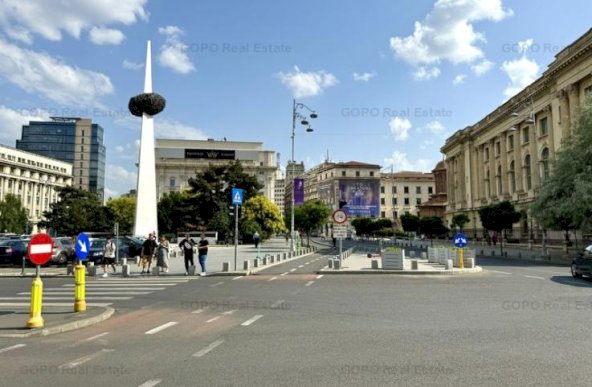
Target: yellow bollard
x=35, y=318
x=79, y=275
x=461, y=260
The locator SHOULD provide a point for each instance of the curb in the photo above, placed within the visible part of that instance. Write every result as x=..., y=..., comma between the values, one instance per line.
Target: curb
x=477, y=269
x=255, y=270
x=108, y=312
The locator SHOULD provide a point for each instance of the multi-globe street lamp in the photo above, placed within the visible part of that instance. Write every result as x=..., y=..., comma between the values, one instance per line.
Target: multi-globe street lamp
x=303, y=120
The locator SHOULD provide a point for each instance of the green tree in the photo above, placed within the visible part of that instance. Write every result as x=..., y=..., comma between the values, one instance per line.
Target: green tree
x=499, y=217
x=432, y=226
x=410, y=223
x=13, y=217
x=210, y=194
x=77, y=211
x=363, y=226
x=312, y=215
x=564, y=200
x=266, y=214
x=460, y=220
x=124, y=213
x=175, y=214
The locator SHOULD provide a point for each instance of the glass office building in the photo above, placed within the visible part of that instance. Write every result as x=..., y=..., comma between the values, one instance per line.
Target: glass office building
x=75, y=140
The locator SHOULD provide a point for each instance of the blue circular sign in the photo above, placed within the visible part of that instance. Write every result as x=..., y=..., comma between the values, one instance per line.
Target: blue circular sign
x=82, y=247
x=460, y=240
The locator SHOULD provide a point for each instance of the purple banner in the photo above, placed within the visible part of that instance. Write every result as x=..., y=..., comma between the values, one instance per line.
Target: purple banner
x=298, y=191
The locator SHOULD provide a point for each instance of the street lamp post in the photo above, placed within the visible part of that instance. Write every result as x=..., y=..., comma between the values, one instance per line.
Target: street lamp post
x=295, y=115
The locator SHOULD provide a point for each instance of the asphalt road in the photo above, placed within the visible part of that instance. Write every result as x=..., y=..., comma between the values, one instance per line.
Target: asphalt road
x=515, y=324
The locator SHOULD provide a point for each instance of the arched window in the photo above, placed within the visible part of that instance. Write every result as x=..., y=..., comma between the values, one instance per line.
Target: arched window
x=545, y=164
x=528, y=172
x=512, y=177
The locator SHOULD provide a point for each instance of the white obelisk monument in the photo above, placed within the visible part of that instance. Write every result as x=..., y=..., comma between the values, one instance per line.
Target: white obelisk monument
x=146, y=219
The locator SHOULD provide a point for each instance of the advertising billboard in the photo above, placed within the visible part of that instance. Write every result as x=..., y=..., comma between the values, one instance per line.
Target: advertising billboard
x=298, y=191
x=361, y=197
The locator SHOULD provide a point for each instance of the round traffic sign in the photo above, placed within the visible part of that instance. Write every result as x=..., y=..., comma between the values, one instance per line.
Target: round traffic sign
x=82, y=247
x=339, y=216
x=40, y=249
x=460, y=240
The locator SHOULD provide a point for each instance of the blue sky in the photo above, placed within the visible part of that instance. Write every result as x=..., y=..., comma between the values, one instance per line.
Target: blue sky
x=389, y=79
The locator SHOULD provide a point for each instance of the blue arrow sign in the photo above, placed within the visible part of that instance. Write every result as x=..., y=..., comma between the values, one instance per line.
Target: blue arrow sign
x=82, y=246
x=460, y=240
x=237, y=196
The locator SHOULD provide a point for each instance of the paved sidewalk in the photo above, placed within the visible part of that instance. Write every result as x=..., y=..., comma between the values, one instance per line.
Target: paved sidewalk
x=359, y=263
x=58, y=318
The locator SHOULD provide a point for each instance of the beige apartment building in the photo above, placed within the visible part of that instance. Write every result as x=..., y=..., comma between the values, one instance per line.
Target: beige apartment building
x=34, y=179
x=403, y=192
x=508, y=153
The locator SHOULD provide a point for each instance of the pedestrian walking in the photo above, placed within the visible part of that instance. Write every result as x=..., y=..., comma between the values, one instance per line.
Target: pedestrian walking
x=256, y=239
x=148, y=251
x=186, y=246
x=108, y=256
x=203, y=253
x=162, y=255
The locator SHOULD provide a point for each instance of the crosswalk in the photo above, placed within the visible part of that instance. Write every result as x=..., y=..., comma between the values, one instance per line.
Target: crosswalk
x=102, y=291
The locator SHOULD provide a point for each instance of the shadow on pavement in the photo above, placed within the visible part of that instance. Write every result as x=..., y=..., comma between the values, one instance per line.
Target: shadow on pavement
x=569, y=280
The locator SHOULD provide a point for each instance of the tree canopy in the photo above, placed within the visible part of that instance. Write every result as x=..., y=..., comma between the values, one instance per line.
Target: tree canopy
x=265, y=214
x=13, y=217
x=460, y=220
x=310, y=216
x=410, y=223
x=124, y=213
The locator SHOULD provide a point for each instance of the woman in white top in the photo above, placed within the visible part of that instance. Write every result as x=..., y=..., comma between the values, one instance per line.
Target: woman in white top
x=108, y=256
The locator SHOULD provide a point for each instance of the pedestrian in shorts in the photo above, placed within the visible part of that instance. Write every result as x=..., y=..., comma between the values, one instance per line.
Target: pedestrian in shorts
x=108, y=256
x=148, y=251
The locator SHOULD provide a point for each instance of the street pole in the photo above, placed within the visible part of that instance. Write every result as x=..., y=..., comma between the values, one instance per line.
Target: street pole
x=235, y=233
x=293, y=170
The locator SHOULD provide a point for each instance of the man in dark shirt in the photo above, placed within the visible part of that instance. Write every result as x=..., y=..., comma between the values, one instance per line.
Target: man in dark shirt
x=186, y=246
x=148, y=250
x=203, y=253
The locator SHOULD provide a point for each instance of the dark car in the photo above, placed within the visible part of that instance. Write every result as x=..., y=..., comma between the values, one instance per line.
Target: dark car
x=582, y=265
x=13, y=251
x=126, y=247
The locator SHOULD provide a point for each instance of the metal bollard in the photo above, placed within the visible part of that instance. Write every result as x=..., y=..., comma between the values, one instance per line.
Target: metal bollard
x=35, y=318
x=80, y=292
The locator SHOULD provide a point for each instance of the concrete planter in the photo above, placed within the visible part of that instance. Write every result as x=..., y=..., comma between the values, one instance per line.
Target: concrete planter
x=394, y=260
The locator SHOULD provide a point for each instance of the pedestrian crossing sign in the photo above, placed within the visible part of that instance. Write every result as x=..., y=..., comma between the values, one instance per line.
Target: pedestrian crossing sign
x=237, y=196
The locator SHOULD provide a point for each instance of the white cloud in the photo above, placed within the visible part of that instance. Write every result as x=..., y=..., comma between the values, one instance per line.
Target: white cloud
x=307, y=84
x=119, y=180
x=127, y=64
x=11, y=122
x=364, y=77
x=459, y=79
x=102, y=35
x=435, y=127
x=169, y=128
x=447, y=33
x=482, y=67
x=173, y=53
x=400, y=128
x=400, y=162
x=424, y=73
x=522, y=71
x=42, y=74
x=22, y=20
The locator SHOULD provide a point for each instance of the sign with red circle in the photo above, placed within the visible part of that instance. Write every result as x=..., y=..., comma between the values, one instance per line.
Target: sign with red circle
x=40, y=249
x=339, y=216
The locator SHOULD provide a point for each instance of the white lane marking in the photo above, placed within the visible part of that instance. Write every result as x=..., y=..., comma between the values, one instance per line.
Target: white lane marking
x=16, y=346
x=309, y=283
x=239, y=277
x=320, y=276
x=151, y=383
x=534, y=277
x=277, y=303
x=294, y=269
x=307, y=263
x=301, y=266
x=272, y=279
x=251, y=320
x=199, y=310
x=229, y=312
x=213, y=319
x=95, y=337
x=284, y=273
x=84, y=359
x=161, y=328
x=216, y=284
x=207, y=349
x=497, y=271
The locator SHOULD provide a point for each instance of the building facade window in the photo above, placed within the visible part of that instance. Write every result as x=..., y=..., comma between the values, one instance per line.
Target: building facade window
x=511, y=142
x=430, y=190
x=418, y=190
x=394, y=189
x=527, y=172
x=498, y=178
x=486, y=154
x=543, y=126
x=406, y=201
x=394, y=201
x=382, y=201
x=357, y=173
x=512, y=177
x=382, y=189
x=545, y=164
x=382, y=214
x=497, y=148
x=418, y=201
x=406, y=189
x=342, y=173
x=525, y=135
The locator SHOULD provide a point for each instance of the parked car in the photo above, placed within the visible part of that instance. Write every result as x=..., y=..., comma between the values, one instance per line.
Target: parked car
x=13, y=251
x=63, y=250
x=126, y=247
x=582, y=265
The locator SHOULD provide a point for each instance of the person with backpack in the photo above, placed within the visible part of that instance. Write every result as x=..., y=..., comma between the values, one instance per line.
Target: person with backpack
x=148, y=251
x=186, y=246
x=108, y=256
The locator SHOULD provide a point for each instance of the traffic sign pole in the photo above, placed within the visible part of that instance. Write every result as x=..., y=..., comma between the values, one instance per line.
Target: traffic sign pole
x=35, y=318
x=82, y=248
x=39, y=251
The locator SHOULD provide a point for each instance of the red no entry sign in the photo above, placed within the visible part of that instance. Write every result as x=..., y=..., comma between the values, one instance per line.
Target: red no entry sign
x=40, y=249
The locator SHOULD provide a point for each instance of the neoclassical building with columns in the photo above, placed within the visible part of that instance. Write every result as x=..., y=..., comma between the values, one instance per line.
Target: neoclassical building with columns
x=508, y=153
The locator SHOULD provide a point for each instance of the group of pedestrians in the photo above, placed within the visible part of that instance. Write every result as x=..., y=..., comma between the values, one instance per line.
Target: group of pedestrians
x=151, y=250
